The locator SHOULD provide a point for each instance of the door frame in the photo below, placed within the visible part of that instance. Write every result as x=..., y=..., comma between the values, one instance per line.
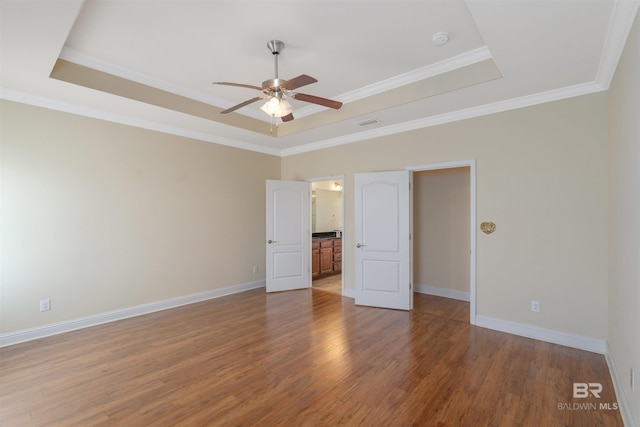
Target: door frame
x=329, y=178
x=471, y=164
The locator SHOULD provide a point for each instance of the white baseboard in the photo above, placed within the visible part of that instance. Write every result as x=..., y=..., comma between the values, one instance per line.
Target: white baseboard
x=442, y=292
x=623, y=405
x=563, y=338
x=349, y=293
x=111, y=316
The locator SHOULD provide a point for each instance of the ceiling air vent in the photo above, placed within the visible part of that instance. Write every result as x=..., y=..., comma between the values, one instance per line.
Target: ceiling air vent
x=367, y=122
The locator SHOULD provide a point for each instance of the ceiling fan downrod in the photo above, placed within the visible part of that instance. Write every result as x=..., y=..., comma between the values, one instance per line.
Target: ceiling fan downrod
x=275, y=46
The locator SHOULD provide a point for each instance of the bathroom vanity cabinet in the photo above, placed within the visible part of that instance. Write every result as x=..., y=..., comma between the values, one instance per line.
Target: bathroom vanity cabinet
x=326, y=257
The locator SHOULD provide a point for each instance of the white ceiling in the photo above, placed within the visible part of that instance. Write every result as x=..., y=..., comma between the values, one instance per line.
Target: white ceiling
x=541, y=51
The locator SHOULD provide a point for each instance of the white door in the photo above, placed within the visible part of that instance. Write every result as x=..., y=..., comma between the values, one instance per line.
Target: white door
x=382, y=240
x=288, y=234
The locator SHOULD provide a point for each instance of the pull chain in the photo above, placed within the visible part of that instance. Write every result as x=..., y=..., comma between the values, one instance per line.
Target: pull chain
x=273, y=121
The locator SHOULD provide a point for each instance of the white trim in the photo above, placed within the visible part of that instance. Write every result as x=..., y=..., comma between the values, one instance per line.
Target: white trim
x=325, y=178
x=622, y=18
x=442, y=292
x=440, y=119
x=563, y=338
x=112, y=316
x=620, y=23
x=623, y=404
x=349, y=293
x=453, y=116
x=462, y=60
x=53, y=104
x=447, y=65
x=471, y=164
x=445, y=165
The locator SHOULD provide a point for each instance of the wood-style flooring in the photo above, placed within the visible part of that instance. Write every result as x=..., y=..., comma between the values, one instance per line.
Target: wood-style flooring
x=299, y=358
x=330, y=284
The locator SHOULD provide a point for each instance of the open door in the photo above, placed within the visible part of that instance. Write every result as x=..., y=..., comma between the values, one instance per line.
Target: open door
x=382, y=240
x=287, y=240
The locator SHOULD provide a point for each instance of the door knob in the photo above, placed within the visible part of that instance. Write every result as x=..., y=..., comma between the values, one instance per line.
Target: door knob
x=270, y=241
x=359, y=245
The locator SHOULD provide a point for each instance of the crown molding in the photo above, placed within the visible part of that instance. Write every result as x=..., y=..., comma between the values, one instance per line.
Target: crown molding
x=459, y=61
x=449, y=64
x=52, y=104
x=622, y=17
x=440, y=119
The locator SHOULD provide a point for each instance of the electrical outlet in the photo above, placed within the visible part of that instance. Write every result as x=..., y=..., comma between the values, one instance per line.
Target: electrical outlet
x=45, y=304
x=255, y=269
x=535, y=306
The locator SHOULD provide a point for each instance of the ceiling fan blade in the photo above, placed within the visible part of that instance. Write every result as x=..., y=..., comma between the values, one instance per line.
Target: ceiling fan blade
x=318, y=100
x=296, y=82
x=242, y=104
x=238, y=85
x=287, y=118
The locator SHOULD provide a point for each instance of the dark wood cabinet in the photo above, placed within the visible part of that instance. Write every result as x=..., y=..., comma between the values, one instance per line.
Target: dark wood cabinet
x=337, y=255
x=326, y=257
x=315, y=259
x=326, y=260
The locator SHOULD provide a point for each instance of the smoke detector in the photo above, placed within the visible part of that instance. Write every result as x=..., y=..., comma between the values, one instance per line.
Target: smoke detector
x=440, y=38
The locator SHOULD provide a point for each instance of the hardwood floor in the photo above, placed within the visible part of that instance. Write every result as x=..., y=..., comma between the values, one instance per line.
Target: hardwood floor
x=330, y=284
x=297, y=358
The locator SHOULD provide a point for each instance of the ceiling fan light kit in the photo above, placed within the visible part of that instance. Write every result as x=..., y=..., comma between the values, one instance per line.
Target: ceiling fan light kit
x=277, y=90
x=277, y=107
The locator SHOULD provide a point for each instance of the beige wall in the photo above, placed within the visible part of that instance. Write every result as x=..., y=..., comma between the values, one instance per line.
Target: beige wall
x=541, y=177
x=441, y=229
x=624, y=219
x=99, y=216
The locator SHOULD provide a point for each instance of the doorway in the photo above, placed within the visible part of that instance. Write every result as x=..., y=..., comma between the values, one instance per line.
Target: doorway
x=327, y=213
x=444, y=217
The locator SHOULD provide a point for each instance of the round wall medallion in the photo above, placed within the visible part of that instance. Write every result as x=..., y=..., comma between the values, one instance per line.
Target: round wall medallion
x=488, y=227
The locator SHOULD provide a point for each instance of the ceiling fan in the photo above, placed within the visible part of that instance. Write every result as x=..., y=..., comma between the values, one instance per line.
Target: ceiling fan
x=278, y=90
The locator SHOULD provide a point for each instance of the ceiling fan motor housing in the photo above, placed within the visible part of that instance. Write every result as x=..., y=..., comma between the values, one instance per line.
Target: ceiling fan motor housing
x=272, y=84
